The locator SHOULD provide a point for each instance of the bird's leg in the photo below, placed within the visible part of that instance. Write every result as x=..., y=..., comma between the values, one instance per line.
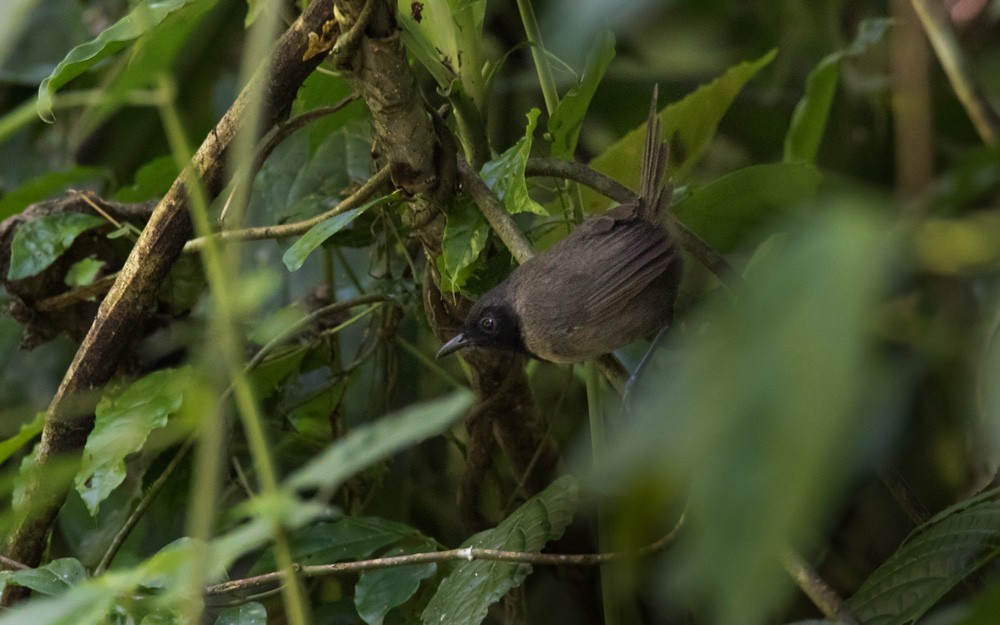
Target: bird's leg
x=641, y=367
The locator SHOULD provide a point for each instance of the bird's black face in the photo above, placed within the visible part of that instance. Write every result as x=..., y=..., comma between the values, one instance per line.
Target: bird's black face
x=490, y=327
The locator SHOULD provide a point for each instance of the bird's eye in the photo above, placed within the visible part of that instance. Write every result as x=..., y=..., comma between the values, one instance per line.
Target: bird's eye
x=488, y=325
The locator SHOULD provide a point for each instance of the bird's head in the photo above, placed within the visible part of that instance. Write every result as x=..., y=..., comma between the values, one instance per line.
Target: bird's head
x=490, y=325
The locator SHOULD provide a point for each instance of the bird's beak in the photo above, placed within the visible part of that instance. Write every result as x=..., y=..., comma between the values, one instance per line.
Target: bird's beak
x=457, y=342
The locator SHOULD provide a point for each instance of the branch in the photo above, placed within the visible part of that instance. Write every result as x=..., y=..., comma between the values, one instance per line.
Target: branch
x=467, y=554
x=497, y=216
x=818, y=591
x=365, y=192
x=123, y=310
x=705, y=253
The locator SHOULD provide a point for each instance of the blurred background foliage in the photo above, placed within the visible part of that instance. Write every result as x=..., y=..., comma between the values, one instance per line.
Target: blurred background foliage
x=832, y=402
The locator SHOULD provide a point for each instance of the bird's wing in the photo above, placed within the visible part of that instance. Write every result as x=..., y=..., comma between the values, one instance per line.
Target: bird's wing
x=633, y=254
x=621, y=259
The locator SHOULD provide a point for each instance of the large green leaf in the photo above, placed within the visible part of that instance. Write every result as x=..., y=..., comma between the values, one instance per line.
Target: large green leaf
x=38, y=243
x=296, y=255
x=797, y=389
x=54, y=578
x=443, y=35
x=931, y=561
x=809, y=119
x=689, y=125
x=505, y=173
x=466, y=232
x=348, y=538
x=566, y=120
x=465, y=595
x=121, y=426
x=143, y=18
x=251, y=613
x=355, y=452
x=152, y=55
x=731, y=207
x=379, y=440
x=381, y=590
x=87, y=603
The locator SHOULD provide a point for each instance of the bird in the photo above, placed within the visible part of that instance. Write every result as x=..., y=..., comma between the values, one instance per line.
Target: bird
x=611, y=281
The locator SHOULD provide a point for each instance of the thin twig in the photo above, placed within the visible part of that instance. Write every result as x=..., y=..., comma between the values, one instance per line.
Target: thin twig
x=467, y=554
x=101, y=286
x=816, y=588
x=937, y=24
x=144, y=503
x=273, y=139
x=705, y=253
x=279, y=231
x=12, y=564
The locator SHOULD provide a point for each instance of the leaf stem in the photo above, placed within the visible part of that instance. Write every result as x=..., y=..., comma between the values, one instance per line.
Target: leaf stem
x=545, y=77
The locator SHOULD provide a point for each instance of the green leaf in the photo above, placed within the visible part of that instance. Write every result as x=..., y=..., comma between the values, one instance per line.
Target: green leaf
x=349, y=538
x=505, y=173
x=251, y=613
x=83, y=272
x=25, y=434
x=54, y=578
x=466, y=232
x=296, y=255
x=935, y=558
x=795, y=377
x=140, y=20
x=440, y=34
x=379, y=440
x=566, y=120
x=88, y=603
x=465, y=595
x=151, y=181
x=689, y=125
x=121, y=427
x=38, y=243
x=47, y=185
x=727, y=209
x=809, y=119
x=381, y=590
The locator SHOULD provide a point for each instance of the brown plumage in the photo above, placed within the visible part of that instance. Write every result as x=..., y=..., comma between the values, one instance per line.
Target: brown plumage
x=611, y=281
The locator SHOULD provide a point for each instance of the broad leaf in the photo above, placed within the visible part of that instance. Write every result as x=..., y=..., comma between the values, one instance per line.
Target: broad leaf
x=381, y=590
x=121, y=427
x=349, y=538
x=731, y=207
x=466, y=232
x=505, y=173
x=143, y=18
x=465, y=595
x=689, y=125
x=379, y=440
x=83, y=272
x=931, y=561
x=296, y=255
x=40, y=242
x=251, y=613
x=566, y=120
x=54, y=578
x=809, y=119
x=795, y=381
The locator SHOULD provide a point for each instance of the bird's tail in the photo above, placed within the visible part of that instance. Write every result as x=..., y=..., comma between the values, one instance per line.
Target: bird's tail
x=654, y=163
